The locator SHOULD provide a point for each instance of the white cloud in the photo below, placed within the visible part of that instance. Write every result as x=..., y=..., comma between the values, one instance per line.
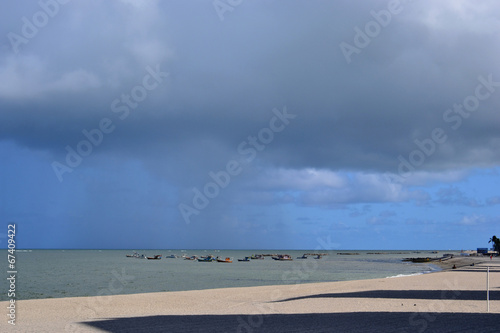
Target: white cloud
x=151, y=51
x=423, y=178
x=28, y=77
x=77, y=80
x=479, y=221
x=300, y=180
x=311, y=187
x=472, y=220
x=474, y=16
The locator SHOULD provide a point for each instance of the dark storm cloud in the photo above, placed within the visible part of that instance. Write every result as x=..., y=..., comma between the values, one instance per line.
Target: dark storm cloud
x=226, y=77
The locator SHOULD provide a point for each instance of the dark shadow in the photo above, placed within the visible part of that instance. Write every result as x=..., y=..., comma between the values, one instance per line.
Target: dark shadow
x=371, y=322
x=472, y=269
x=468, y=295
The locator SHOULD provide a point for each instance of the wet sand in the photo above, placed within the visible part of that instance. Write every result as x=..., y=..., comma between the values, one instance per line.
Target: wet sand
x=448, y=301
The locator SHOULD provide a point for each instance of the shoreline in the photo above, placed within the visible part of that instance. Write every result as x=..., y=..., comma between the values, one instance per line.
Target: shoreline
x=442, y=301
x=460, y=262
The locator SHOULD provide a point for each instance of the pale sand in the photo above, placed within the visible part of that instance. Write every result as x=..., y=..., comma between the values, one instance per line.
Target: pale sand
x=447, y=301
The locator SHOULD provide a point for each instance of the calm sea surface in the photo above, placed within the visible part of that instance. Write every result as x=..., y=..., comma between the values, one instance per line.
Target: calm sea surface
x=68, y=273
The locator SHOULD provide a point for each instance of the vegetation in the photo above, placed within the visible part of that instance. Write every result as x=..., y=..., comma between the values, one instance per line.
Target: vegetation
x=496, y=243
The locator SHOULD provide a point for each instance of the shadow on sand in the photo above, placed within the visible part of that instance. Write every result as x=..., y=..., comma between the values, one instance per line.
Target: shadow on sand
x=387, y=322
x=466, y=295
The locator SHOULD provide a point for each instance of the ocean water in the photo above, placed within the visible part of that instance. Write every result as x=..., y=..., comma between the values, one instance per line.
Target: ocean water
x=68, y=273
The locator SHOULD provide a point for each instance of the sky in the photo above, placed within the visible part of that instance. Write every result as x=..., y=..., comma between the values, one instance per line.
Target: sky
x=237, y=124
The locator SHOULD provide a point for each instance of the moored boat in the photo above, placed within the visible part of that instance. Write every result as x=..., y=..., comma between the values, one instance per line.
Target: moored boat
x=257, y=256
x=156, y=257
x=209, y=258
x=282, y=257
x=303, y=257
x=245, y=259
x=227, y=259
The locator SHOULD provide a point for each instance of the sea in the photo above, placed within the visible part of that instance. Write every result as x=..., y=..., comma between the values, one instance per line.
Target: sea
x=42, y=274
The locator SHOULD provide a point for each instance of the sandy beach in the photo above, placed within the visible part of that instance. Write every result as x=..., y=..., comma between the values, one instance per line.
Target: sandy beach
x=447, y=301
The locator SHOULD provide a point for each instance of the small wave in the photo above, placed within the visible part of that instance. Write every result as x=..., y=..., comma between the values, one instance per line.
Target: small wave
x=403, y=275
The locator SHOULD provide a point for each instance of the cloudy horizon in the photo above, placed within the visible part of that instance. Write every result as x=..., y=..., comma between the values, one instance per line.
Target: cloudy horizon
x=250, y=124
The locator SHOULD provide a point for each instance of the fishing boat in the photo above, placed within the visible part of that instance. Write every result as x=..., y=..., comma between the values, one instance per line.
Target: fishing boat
x=173, y=256
x=257, y=256
x=156, y=257
x=282, y=257
x=135, y=255
x=318, y=256
x=209, y=258
x=191, y=258
x=227, y=259
x=245, y=259
x=303, y=257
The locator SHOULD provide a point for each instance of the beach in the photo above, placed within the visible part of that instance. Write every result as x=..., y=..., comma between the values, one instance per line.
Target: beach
x=446, y=301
